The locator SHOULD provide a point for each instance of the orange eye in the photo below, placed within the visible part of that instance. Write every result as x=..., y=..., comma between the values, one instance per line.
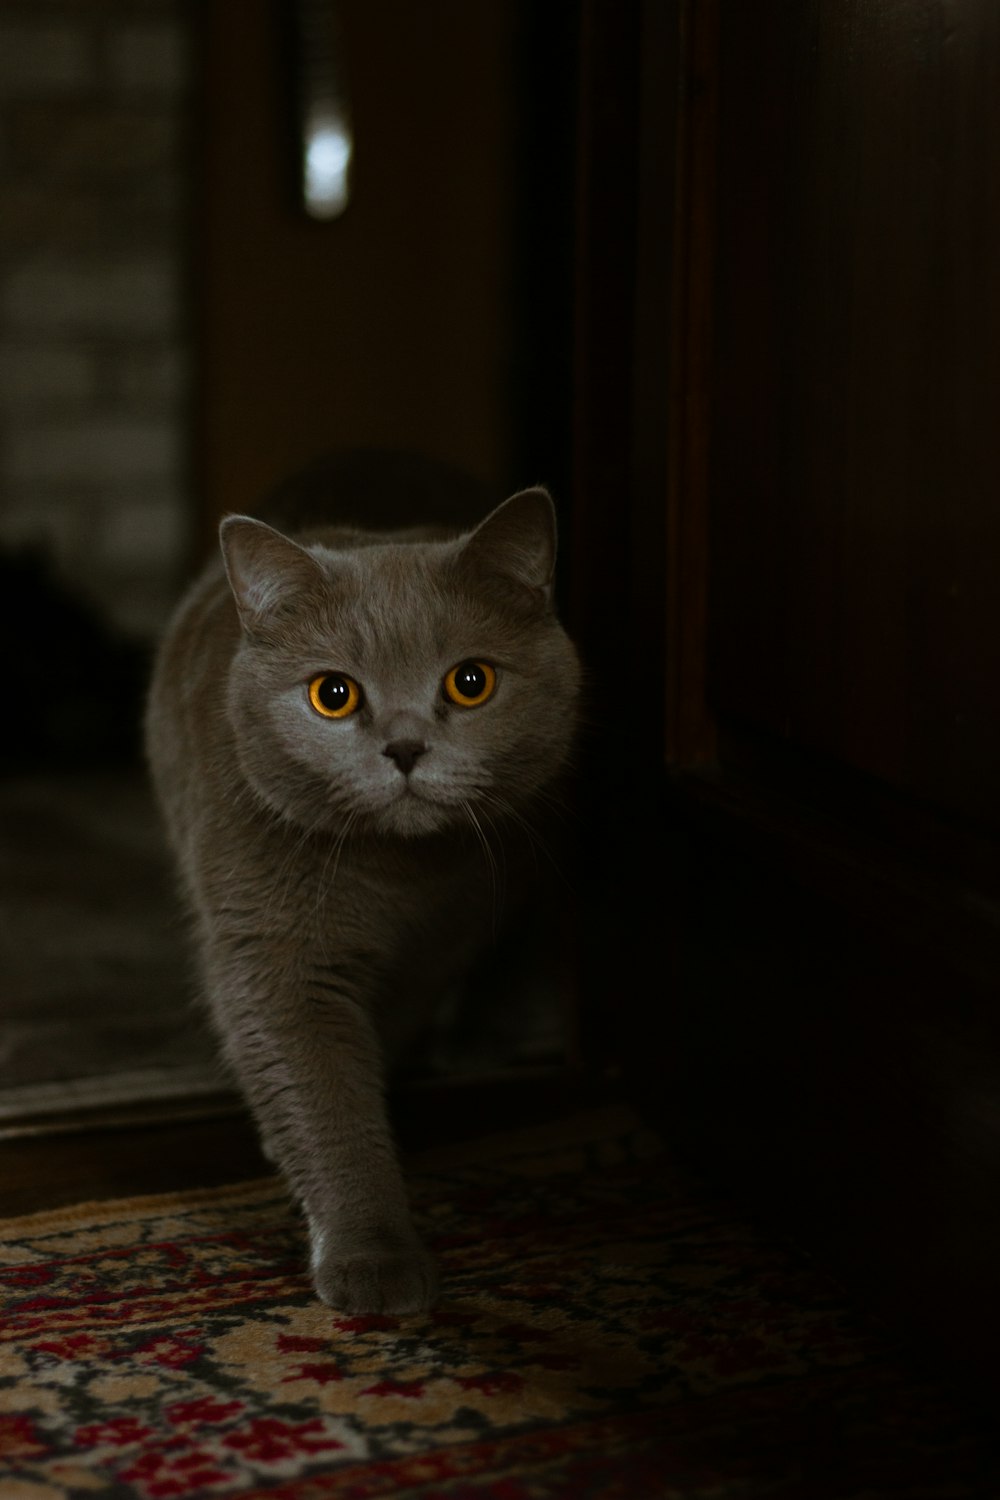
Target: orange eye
x=470, y=683
x=333, y=695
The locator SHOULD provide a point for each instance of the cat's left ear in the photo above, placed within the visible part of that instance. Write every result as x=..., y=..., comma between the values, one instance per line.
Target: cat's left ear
x=517, y=541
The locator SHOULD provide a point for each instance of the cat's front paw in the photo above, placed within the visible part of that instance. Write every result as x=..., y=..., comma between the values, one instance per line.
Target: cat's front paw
x=376, y=1277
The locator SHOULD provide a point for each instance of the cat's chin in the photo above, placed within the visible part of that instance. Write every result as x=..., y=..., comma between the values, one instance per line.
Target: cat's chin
x=411, y=816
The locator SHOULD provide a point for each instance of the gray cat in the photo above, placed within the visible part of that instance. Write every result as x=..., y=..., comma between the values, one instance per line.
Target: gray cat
x=349, y=733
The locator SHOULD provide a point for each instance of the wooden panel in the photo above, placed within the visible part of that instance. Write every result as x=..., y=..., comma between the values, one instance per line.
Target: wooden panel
x=856, y=444
x=390, y=325
x=689, y=732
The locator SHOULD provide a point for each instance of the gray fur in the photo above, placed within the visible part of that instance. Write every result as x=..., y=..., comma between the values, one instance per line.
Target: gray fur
x=337, y=897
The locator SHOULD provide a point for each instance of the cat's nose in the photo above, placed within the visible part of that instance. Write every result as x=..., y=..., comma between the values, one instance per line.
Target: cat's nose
x=405, y=753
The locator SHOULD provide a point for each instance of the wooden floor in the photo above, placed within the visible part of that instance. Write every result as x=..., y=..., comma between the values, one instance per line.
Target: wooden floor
x=51, y=1171
x=74, y=1166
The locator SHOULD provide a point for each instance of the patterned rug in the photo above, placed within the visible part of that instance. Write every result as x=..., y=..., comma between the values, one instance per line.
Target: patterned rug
x=604, y=1331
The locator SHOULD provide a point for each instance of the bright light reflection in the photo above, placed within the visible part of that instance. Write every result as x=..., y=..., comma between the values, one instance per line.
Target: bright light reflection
x=327, y=167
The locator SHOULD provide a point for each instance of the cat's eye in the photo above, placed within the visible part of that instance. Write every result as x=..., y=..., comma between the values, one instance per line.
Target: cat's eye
x=470, y=683
x=334, y=695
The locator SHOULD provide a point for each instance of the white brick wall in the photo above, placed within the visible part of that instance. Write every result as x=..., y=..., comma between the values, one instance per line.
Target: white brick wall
x=159, y=376
x=45, y=58
x=34, y=377
x=93, y=451
x=142, y=521
x=94, y=331
x=149, y=58
x=135, y=297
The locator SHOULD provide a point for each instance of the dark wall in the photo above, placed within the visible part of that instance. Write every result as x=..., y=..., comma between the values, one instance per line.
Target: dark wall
x=856, y=446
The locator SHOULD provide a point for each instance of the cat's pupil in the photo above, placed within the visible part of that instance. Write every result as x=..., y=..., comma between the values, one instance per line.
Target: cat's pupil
x=334, y=693
x=470, y=680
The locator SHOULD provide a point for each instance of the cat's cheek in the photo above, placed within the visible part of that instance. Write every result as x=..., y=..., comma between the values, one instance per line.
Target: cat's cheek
x=323, y=747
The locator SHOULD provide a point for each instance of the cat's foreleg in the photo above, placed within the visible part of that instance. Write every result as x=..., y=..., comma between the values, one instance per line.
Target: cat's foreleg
x=309, y=1063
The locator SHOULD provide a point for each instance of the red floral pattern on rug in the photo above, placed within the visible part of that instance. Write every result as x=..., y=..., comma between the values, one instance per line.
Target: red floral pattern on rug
x=604, y=1332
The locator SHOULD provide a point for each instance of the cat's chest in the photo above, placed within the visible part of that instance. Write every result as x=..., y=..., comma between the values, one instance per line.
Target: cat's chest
x=352, y=894
x=415, y=928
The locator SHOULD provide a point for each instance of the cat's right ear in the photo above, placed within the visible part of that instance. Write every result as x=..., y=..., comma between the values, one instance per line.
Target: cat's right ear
x=264, y=568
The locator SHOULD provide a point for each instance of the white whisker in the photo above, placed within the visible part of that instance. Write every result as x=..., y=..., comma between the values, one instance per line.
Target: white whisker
x=536, y=842
x=491, y=863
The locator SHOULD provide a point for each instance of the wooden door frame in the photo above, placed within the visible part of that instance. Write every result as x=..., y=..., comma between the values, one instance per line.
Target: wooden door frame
x=645, y=225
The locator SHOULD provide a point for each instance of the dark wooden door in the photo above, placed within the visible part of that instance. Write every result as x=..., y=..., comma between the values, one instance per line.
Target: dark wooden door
x=788, y=581
x=856, y=440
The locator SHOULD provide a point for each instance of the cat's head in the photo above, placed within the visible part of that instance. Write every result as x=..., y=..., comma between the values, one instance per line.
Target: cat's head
x=401, y=686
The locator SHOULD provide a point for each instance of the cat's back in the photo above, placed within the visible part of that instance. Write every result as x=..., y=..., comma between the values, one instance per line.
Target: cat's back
x=185, y=714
